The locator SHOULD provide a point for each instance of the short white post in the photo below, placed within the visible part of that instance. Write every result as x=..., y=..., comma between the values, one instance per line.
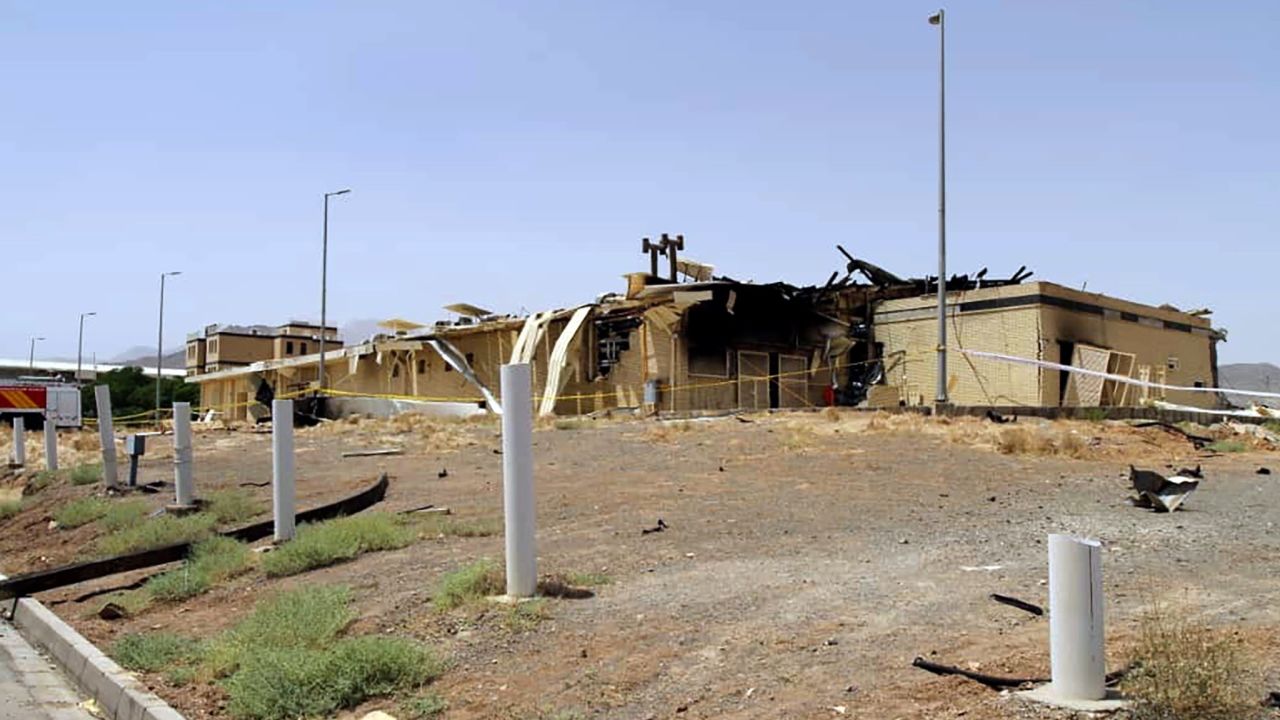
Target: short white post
x=517, y=480
x=1076, y=658
x=50, y=444
x=282, y=488
x=184, y=489
x=19, y=441
x=102, y=394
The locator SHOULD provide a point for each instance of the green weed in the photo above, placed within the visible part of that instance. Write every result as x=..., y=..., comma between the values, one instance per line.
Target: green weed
x=1227, y=446
x=9, y=508
x=525, y=616
x=81, y=512
x=309, y=617
x=125, y=513
x=286, y=660
x=157, y=532
x=151, y=652
x=424, y=706
x=336, y=541
x=86, y=474
x=468, y=584
x=212, y=561
x=280, y=683
x=233, y=506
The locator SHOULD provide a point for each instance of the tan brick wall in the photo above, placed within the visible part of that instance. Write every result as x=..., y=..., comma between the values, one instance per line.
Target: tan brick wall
x=911, y=360
x=1151, y=345
x=238, y=349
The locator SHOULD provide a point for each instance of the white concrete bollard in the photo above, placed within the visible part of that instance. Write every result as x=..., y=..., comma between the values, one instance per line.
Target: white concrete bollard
x=50, y=444
x=1076, y=656
x=517, y=480
x=19, y=441
x=183, y=485
x=102, y=394
x=282, y=486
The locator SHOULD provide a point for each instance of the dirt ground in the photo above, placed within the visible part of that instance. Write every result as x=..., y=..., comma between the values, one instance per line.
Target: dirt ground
x=808, y=558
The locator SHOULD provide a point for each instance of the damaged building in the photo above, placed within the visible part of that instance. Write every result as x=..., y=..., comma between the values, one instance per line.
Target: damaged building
x=681, y=338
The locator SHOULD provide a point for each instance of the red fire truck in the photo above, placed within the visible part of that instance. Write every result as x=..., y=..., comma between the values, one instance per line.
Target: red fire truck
x=36, y=400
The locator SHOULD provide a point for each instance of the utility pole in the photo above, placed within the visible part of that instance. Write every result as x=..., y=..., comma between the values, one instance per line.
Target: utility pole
x=324, y=283
x=31, y=361
x=939, y=19
x=80, y=345
x=160, y=341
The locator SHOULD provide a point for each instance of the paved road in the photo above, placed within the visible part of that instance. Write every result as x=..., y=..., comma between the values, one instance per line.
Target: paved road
x=31, y=688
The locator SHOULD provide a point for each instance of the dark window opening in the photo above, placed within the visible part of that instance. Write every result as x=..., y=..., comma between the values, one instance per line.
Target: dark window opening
x=712, y=361
x=395, y=371
x=471, y=359
x=288, y=347
x=422, y=367
x=613, y=337
x=304, y=349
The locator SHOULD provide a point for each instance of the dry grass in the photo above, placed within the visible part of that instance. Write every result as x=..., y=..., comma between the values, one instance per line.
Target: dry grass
x=1185, y=671
x=1041, y=441
x=668, y=431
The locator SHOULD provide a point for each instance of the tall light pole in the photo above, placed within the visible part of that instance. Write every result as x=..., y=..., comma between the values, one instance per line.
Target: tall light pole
x=939, y=19
x=324, y=281
x=160, y=340
x=80, y=345
x=31, y=361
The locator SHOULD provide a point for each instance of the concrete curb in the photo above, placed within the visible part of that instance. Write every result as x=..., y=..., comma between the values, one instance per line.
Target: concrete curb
x=117, y=692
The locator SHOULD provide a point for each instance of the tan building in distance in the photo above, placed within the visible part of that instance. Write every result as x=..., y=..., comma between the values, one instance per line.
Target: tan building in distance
x=717, y=344
x=222, y=347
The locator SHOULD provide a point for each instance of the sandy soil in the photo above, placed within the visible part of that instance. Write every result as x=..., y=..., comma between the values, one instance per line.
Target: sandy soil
x=808, y=558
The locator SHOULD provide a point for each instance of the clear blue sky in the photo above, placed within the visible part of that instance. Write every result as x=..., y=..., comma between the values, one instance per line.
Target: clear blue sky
x=511, y=155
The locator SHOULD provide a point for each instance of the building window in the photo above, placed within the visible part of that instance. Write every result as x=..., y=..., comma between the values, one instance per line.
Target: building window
x=288, y=347
x=213, y=346
x=711, y=362
x=471, y=359
x=303, y=351
x=422, y=367
x=395, y=370
x=1172, y=362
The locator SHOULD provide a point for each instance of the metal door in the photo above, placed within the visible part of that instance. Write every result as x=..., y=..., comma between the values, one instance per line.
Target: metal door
x=753, y=380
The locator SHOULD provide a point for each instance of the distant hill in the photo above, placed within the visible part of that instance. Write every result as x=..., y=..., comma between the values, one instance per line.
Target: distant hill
x=1263, y=377
x=142, y=356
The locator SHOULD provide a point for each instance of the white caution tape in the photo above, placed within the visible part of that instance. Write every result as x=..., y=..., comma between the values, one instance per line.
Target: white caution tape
x=1110, y=376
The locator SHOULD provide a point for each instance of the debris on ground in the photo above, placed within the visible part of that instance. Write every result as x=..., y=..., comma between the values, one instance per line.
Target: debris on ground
x=1020, y=604
x=999, y=419
x=112, y=611
x=1264, y=471
x=1160, y=493
x=1197, y=441
x=992, y=681
x=373, y=452
x=655, y=529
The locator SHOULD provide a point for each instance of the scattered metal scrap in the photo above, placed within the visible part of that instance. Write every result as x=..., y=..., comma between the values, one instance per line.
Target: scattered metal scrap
x=1198, y=441
x=996, y=682
x=992, y=681
x=656, y=528
x=370, y=453
x=1160, y=493
x=1020, y=604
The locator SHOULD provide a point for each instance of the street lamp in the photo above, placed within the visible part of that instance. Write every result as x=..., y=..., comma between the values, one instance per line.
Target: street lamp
x=80, y=344
x=160, y=340
x=31, y=361
x=324, y=281
x=939, y=19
